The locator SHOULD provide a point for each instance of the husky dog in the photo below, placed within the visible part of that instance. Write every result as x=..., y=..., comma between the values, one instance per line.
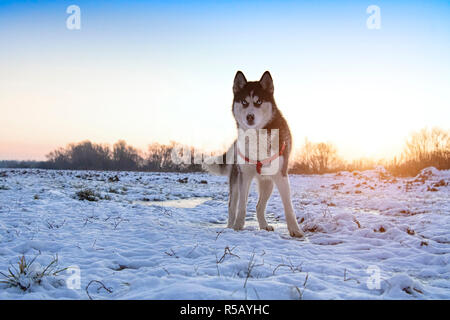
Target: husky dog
x=254, y=109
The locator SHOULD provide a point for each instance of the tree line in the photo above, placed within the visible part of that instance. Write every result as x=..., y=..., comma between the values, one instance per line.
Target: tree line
x=428, y=147
x=121, y=157
x=425, y=148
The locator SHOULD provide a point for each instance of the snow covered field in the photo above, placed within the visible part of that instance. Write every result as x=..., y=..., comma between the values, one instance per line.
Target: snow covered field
x=163, y=236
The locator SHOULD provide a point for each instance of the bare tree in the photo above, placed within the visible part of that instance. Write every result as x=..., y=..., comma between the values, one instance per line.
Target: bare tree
x=316, y=158
x=125, y=157
x=425, y=148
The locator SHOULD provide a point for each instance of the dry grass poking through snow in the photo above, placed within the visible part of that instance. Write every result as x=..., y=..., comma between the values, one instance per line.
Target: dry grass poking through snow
x=28, y=273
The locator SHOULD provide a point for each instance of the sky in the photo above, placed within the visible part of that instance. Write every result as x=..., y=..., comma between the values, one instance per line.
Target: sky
x=161, y=71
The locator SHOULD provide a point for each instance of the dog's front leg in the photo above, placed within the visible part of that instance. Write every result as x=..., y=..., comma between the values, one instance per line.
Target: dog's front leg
x=265, y=188
x=233, y=196
x=284, y=189
x=244, y=182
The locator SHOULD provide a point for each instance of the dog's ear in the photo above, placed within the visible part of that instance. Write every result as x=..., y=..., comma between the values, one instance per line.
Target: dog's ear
x=239, y=82
x=267, y=82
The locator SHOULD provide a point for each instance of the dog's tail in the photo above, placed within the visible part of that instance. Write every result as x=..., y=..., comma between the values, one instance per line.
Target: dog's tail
x=217, y=166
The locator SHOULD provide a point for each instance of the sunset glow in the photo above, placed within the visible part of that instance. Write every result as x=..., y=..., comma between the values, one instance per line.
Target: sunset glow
x=163, y=71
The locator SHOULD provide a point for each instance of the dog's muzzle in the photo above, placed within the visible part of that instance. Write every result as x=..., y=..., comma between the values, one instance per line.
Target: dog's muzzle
x=250, y=118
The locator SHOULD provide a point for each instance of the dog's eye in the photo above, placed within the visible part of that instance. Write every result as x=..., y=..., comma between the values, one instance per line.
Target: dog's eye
x=244, y=103
x=258, y=103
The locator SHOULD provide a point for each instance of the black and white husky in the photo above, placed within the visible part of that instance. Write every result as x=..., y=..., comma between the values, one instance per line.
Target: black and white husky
x=261, y=151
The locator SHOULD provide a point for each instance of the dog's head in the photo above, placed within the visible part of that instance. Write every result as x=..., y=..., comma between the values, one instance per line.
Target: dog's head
x=253, y=103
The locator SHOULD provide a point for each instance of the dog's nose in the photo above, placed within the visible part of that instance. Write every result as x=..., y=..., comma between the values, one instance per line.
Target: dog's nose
x=250, y=118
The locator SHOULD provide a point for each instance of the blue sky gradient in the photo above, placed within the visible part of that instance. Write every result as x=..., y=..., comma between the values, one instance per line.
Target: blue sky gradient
x=148, y=71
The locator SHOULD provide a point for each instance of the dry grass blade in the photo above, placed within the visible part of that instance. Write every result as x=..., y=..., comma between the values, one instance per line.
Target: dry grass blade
x=227, y=251
x=102, y=286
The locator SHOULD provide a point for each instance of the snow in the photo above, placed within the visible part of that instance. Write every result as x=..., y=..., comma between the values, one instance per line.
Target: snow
x=157, y=236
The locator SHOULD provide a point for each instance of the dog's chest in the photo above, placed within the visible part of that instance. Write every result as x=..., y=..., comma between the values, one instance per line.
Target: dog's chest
x=267, y=169
x=261, y=155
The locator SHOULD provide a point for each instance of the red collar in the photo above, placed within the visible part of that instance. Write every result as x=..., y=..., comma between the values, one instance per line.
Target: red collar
x=258, y=163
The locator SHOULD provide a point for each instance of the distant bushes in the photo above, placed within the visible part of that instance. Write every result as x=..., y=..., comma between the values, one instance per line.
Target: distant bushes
x=316, y=158
x=83, y=156
x=90, y=156
x=320, y=158
x=428, y=147
x=14, y=164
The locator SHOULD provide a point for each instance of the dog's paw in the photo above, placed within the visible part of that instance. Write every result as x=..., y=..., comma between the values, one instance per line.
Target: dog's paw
x=238, y=226
x=267, y=228
x=296, y=233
